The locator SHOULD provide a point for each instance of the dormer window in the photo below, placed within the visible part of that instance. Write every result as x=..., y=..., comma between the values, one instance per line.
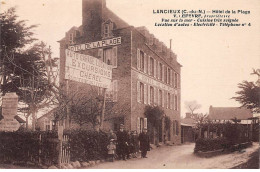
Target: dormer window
x=71, y=38
x=107, y=29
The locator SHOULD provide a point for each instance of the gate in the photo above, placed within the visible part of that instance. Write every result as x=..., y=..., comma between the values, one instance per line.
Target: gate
x=64, y=151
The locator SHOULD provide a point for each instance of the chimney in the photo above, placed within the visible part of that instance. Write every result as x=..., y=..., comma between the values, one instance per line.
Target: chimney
x=92, y=12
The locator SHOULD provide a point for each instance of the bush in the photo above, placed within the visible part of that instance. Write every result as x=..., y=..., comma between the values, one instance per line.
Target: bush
x=209, y=144
x=86, y=145
x=24, y=146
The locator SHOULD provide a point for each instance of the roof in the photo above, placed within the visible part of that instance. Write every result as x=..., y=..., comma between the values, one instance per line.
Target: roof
x=19, y=119
x=48, y=114
x=227, y=113
x=188, y=122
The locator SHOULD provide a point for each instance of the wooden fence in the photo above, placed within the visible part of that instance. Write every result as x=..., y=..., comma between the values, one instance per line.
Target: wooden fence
x=40, y=149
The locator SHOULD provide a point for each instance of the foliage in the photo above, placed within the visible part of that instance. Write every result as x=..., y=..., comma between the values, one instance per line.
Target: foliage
x=192, y=106
x=154, y=115
x=86, y=110
x=210, y=144
x=231, y=134
x=87, y=145
x=167, y=123
x=15, y=35
x=25, y=70
x=249, y=93
x=24, y=146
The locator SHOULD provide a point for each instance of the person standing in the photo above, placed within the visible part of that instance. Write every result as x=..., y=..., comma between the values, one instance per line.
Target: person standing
x=112, y=135
x=135, y=144
x=111, y=150
x=122, y=143
x=144, y=143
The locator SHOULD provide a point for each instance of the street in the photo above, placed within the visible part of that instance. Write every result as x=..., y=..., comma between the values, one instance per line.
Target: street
x=181, y=157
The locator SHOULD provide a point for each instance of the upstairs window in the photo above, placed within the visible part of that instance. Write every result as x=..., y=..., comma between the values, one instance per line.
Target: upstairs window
x=141, y=60
x=168, y=75
x=107, y=28
x=160, y=71
x=109, y=56
x=151, y=67
x=112, y=92
x=71, y=38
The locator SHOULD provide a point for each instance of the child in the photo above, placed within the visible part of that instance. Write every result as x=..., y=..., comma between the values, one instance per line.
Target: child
x=111, y=150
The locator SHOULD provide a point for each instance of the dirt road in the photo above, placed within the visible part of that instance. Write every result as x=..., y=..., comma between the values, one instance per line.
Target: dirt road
x=181, y=157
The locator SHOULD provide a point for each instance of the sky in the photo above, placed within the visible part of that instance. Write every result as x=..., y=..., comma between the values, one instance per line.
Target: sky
x=214, y=59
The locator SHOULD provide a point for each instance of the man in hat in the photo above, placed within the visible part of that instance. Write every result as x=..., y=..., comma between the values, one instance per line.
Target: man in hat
x=122, y=143
x=144, y=143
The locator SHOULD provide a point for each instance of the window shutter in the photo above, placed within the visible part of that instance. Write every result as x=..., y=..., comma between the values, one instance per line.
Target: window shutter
x=138, y=92
x=138, y=59
x=149, y=94
x=149, y=65
x=111, y=25
x=155, y=67
x=171, y=103
x=167, y=100
x=115, y=90
x=145, y=93
x=145, y=123
x=171, y=78
x=173, y=127
x=114, y=56
x=100, y=53
x=155, y=96
x=145, y=62
x=177, y=80
x=162, y=98
x=158, y=70
x=163, y=73
x=177, y=102
x=138, y=125
x=177, y=128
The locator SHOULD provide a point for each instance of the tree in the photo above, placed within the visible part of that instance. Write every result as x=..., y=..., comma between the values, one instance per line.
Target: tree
x=25, y=71
x=249, y=93
x=154, y=115
x=87, y=109
x=192, y=106
x=15, y=35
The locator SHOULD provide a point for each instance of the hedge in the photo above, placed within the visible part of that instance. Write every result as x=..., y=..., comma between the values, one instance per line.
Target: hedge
x=24, y=146
x=87, y=145
x=209, y=144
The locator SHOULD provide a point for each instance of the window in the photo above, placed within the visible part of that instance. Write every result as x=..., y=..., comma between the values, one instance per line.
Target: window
x=160, y=98
x=165, y=75
x=151, y=96
x=177, y=127
x=175, y=80
x=141, y=92
x=142, y=61
x=141, y=124
x=112, y=92
x=71, y=38
x=175, y=103
x=160, y=71
x=151, y=67
x=107, y=29
x=168, y=100
x=168, y=76
x=109, y=56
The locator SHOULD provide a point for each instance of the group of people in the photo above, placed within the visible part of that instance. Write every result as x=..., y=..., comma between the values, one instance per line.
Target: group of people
x=125, y=145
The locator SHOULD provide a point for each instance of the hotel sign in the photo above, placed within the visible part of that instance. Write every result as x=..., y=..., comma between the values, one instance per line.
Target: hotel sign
x=155, y=83
x=97, y=44
x=87, y=69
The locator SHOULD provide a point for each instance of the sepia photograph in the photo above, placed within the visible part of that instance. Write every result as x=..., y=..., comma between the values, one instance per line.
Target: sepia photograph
x=129, y=84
